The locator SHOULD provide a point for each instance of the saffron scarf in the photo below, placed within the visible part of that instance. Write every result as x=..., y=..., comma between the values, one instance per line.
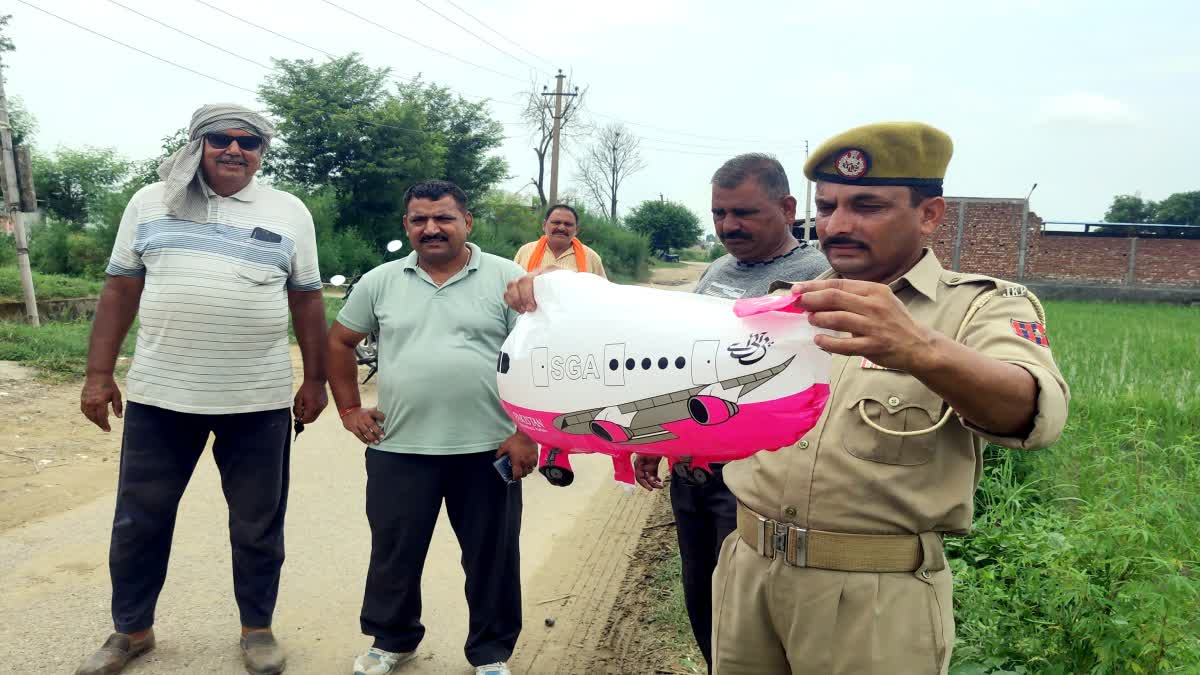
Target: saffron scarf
x=535, y=261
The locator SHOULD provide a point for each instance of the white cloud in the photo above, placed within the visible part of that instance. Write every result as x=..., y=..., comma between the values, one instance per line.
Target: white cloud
x=1084, y=108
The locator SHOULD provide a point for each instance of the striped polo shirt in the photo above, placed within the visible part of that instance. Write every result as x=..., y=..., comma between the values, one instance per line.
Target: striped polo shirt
x=214, y=310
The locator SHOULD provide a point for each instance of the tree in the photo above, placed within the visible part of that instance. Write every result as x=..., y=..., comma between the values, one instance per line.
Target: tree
x=341, y=126
x=24, y=125
x=75, y=183
x=145, y=172
x=1130, y=209
x=6, y=43
x=1181, y=208
x=667, y=224
x=467, y=131
x=607, y=163
x=539, y=117
x=325, y=113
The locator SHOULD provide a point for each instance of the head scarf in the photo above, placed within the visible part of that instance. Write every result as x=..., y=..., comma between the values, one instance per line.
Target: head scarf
x=184, y=195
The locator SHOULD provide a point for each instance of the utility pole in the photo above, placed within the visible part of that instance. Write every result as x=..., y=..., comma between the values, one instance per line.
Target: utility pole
x=558, y=94
x=12, y=205
x=807, y=200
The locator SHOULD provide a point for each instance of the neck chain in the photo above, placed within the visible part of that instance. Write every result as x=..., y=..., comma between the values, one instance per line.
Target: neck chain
x=756, y=263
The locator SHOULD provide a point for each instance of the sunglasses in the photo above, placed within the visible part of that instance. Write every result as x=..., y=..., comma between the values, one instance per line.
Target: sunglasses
x=222, y=141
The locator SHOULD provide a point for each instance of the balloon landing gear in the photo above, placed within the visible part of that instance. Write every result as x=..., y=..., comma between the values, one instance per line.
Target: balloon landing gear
x=557, y=471
x=691, y=474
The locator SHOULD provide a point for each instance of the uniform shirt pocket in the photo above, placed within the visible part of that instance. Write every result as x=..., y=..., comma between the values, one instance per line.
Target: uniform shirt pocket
x=906, y=406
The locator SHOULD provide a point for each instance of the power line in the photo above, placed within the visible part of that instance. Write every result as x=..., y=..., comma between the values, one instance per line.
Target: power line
x=141, y=51
x=185, y=33
x=481, y=38
x=278, y=35
x=420, y=44
x=216, y=79
x=331, y=55
x=502, y=35
x=691, y=135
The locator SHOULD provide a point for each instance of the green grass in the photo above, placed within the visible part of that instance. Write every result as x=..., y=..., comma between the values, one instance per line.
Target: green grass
x=671, y=613
x=57, y=350
x=47, y=286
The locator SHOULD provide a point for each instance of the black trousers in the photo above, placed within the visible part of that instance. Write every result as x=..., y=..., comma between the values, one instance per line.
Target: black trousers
x=159, y=451
x=404, y=496
x=704, y=516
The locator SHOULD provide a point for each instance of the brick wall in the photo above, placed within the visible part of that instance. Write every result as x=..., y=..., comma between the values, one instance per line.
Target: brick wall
x=988, y=242
x=1077, y=259
x=1168, y=262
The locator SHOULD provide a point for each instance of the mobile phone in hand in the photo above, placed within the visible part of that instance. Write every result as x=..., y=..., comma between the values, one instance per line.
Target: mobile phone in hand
x=504, y=468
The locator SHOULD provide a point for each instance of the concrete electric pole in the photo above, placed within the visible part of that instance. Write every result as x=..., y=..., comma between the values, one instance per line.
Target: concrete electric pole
x=12, y=205
x=558, y=107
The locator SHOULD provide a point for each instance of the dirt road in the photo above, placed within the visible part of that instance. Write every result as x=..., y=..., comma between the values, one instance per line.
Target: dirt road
x=57, y=476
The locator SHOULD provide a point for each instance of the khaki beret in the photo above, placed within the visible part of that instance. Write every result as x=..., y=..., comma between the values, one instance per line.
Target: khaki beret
x=888, y=153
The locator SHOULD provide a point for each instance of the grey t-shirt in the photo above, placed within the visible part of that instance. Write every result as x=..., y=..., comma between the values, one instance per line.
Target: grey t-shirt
x=730, y=279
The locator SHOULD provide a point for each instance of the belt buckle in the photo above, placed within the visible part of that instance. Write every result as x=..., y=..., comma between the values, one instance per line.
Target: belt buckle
x=779, y=540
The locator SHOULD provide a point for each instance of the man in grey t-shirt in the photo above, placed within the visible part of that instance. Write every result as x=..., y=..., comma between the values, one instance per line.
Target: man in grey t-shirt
x=753, y=214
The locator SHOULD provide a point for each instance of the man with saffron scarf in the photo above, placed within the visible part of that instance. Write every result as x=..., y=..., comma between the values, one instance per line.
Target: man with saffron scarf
x=560, y=247
x=212, y=262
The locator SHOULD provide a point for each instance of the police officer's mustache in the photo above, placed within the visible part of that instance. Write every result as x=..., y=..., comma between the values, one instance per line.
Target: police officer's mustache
x=843, y=241
x=735, y=234
x=434, y=237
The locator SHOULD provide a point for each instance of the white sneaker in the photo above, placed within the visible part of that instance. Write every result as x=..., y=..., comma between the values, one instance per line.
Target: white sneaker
x=379, y=662
x=493, y=669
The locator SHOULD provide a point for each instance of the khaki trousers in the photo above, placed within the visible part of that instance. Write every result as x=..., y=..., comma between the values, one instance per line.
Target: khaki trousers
x=769, y=617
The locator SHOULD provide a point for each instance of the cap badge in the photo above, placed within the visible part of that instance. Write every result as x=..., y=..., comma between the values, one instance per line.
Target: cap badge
x=853, y=164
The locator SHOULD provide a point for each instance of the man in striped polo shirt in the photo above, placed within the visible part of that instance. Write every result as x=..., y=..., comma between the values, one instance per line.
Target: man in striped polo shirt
x=211, y=262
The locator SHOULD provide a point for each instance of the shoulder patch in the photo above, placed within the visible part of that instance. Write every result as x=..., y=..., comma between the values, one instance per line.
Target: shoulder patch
x=1033, y=331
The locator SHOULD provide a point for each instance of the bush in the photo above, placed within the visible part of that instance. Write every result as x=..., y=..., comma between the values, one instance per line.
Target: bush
x=718, y=250
x=8, y=250
x=339, y=251
x=503, y=223
x=47, y=286
x=626, y=254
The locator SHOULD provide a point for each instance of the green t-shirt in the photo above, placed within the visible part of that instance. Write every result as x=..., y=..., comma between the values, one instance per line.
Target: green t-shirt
x=437, y=352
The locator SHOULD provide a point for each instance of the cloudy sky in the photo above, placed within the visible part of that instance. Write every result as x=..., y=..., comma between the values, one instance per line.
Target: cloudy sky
x=1086, y=99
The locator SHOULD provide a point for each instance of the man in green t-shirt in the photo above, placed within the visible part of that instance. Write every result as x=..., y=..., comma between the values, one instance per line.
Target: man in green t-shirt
x=437, y=430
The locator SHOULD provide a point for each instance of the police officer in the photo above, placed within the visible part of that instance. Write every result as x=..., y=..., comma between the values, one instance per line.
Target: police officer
x=837, y=565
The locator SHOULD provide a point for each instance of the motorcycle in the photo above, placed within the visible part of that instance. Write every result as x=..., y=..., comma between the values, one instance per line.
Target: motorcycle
x=366, y=352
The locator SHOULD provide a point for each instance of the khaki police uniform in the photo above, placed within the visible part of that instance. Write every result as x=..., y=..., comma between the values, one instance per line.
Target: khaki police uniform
x=837, y=565
x=566, y=261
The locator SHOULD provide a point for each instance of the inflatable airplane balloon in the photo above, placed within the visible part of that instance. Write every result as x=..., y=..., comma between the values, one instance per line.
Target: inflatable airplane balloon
x=613, y=369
